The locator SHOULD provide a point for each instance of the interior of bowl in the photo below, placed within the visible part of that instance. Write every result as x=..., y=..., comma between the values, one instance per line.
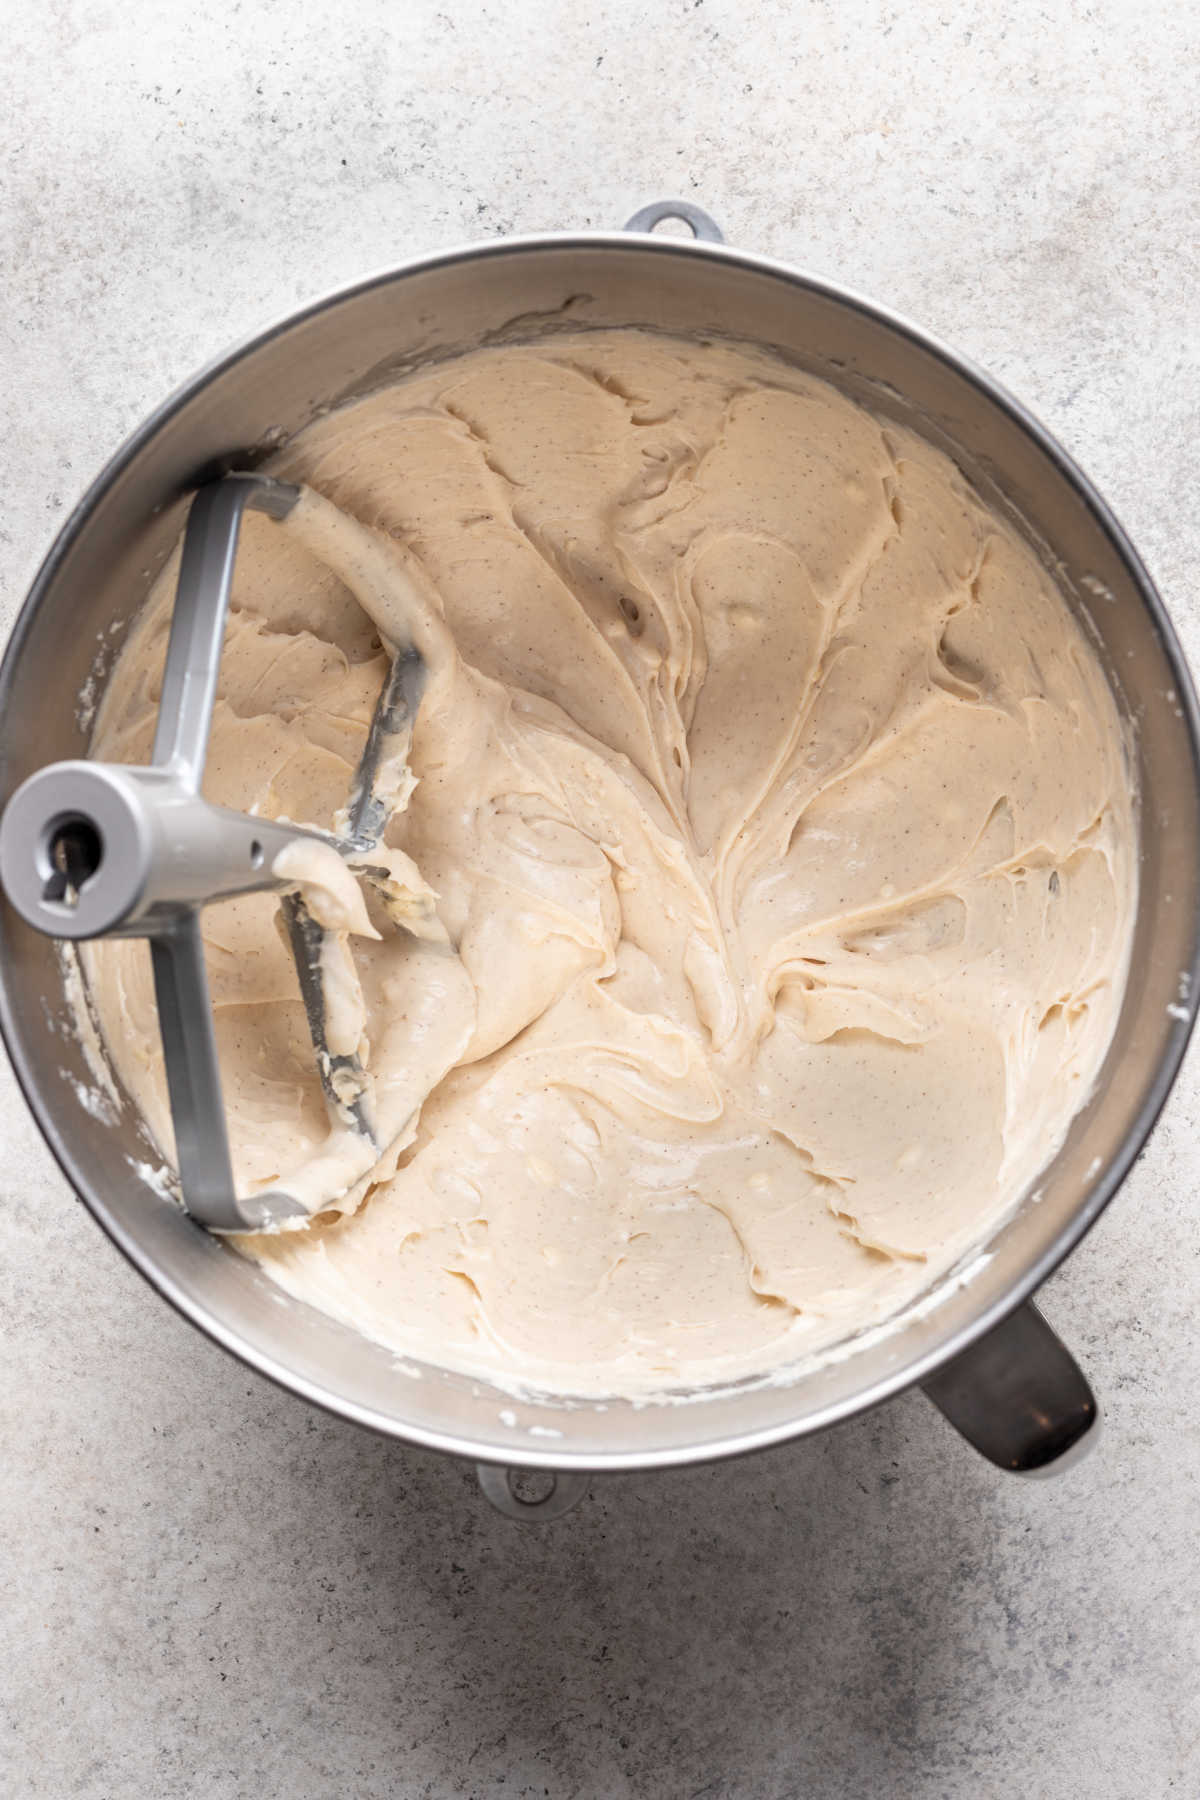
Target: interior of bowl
x=234, y=414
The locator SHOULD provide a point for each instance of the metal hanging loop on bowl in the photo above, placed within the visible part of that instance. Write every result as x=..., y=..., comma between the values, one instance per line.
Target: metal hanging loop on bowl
x=702, y=224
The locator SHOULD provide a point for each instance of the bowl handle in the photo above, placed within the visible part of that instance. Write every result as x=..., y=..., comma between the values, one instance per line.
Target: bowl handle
x=1019, y=1397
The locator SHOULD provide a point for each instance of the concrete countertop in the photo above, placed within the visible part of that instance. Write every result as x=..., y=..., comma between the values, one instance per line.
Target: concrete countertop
x=211, y=1591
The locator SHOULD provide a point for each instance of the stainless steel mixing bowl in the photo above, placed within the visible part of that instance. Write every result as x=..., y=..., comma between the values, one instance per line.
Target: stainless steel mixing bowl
x=988, y=1360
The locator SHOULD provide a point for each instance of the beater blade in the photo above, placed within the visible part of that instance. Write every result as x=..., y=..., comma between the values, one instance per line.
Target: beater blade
x=93, y=849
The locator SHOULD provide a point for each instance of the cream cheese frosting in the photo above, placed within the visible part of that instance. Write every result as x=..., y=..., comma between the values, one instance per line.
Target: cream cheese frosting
x=761, y=889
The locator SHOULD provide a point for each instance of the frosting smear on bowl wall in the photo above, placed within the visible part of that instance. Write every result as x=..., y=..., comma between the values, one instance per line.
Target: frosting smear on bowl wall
x=762, y=902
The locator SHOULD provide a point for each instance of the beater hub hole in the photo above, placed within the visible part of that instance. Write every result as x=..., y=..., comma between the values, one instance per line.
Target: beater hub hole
x=74, y=851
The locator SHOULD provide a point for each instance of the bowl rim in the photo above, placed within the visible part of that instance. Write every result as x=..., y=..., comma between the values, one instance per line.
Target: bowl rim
x=908, y=1371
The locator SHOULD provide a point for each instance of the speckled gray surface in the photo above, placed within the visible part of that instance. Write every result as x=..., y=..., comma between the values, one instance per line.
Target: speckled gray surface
x=213, y=1592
